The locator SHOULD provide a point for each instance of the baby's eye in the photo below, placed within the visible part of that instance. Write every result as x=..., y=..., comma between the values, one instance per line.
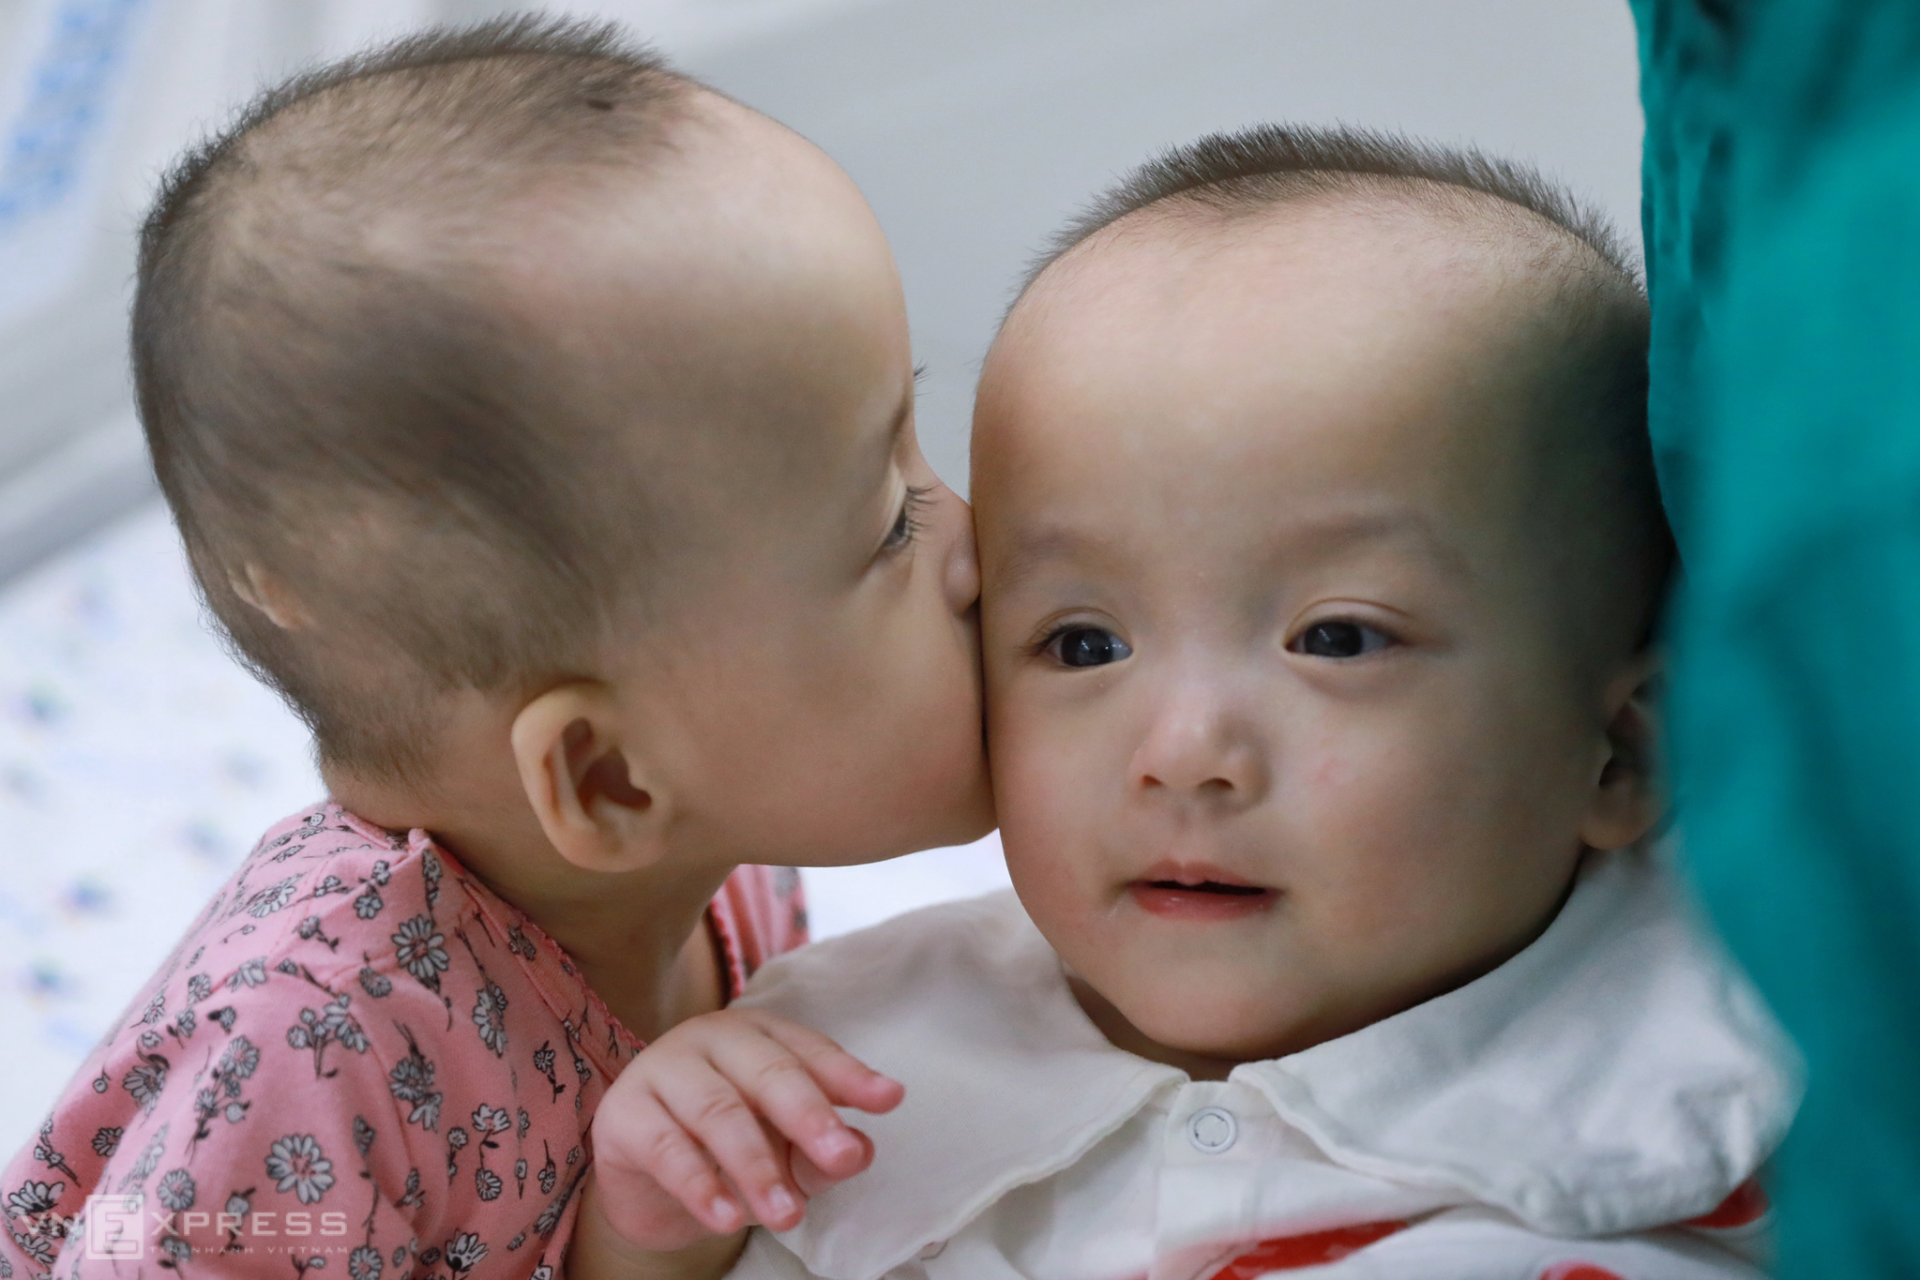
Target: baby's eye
x=907, y=524
x=1340, y=638
x=1087, y=647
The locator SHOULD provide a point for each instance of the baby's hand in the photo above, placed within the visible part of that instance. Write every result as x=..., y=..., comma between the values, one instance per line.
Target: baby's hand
x=733, y=1104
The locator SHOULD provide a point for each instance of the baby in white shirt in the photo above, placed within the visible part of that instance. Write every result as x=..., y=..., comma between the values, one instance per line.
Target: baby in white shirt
x=1321, y=554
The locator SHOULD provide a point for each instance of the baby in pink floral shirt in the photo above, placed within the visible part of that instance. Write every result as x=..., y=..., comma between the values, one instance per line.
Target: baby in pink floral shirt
x=539, y=423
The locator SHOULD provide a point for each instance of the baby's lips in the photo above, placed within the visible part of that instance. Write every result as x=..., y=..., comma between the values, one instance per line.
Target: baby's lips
x=1194, y=873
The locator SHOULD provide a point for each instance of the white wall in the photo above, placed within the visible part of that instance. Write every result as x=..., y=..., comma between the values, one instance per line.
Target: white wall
x=974, y=125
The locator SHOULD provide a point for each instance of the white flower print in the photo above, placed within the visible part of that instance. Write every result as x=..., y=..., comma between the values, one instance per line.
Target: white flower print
x=34, y=1198
x=421, y=951
x=464, y=1251
x=331, y=1024
x=37, y=1247
x=489, y=1015
x=156, y=1009
x=381, y=873
x=542, y=1272
x=240, y=1060
x=149, y=1161
x=309, y=928
x=178, y=1251
x=549, y=1218
x=411, y=1080
x=368, y=904
x=106, y=1140
x=346, y=1029
x=199, y=987
x=487, y=1183
x=430, y=872
x=146, y=1079
x=488, y=1119
x=365, y=1263
x=273, y=898
x=297, y=1164
x=176, y=1190
x=250, y=974
x=43, y=1152
x=374, y=984
x=543, y=1062
x=363, y=1135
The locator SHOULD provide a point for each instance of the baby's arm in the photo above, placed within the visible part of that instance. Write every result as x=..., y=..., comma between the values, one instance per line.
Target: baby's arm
x=725, y=1120
x=250, y=1132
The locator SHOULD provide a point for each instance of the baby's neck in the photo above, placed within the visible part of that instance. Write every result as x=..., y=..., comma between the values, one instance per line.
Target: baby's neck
x=639, y=938
x=1122, y=1034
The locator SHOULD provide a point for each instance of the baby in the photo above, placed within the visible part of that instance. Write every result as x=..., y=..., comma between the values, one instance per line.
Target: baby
x=540, y=423
x=1321, y=553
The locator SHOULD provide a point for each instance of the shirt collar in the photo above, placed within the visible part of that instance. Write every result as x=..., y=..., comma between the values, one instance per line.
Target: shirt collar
x=1619, y=1074
x=1616, y=1075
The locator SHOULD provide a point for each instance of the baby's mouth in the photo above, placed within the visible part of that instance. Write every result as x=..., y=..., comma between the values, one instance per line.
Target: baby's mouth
x=1209, y=886
x=1199, y=893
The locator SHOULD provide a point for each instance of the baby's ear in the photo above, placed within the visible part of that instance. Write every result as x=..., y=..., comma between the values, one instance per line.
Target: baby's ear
x=1629, y=795
x=586, y=784
x=270, y=596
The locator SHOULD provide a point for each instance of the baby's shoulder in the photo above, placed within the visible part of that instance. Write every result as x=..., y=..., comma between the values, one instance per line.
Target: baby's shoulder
x=972, y=935
x=956, y=972
x=320, y=891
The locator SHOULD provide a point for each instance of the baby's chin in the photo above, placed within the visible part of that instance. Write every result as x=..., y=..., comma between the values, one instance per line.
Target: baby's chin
x=1206, y=1026
x=1189, y=1031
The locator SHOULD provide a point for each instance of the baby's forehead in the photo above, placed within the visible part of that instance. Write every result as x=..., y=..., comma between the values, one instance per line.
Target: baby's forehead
x=1369, y=246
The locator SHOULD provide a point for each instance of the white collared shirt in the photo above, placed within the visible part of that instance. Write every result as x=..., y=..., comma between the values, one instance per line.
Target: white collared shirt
x=1614, y=1079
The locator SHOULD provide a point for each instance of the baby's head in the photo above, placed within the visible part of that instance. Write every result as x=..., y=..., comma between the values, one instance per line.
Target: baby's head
x=1321, y=549
x=536, y=416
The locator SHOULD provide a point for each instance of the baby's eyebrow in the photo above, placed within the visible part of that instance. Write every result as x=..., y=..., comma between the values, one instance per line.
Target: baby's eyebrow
x=1331, y=532
x=1320, y=535
x=884, y=446
x=1032, y=549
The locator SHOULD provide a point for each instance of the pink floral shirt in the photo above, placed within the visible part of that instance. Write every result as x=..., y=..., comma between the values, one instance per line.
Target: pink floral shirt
x=360, y=1061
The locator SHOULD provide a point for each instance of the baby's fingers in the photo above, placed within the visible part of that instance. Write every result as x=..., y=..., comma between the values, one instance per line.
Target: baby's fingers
x=847, y=1081
x=710, y=1107
x=649, y=1140
x=793, y=1077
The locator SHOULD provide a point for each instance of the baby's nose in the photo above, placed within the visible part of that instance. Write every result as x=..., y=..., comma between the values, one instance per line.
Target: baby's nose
x=1198, y=749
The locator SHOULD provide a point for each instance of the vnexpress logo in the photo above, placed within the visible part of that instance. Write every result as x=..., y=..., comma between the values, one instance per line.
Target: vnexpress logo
x=114, y=1228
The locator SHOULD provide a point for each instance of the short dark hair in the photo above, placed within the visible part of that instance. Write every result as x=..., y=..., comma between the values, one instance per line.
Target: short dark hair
x=1255, y=168
x=1597, y=291
x=377, y=432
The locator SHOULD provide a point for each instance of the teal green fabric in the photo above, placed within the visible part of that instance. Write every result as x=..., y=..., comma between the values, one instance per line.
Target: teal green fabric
x=1783, y=241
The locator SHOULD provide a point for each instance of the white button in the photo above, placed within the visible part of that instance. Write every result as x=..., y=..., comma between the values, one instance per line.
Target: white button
x=1212, y=1130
